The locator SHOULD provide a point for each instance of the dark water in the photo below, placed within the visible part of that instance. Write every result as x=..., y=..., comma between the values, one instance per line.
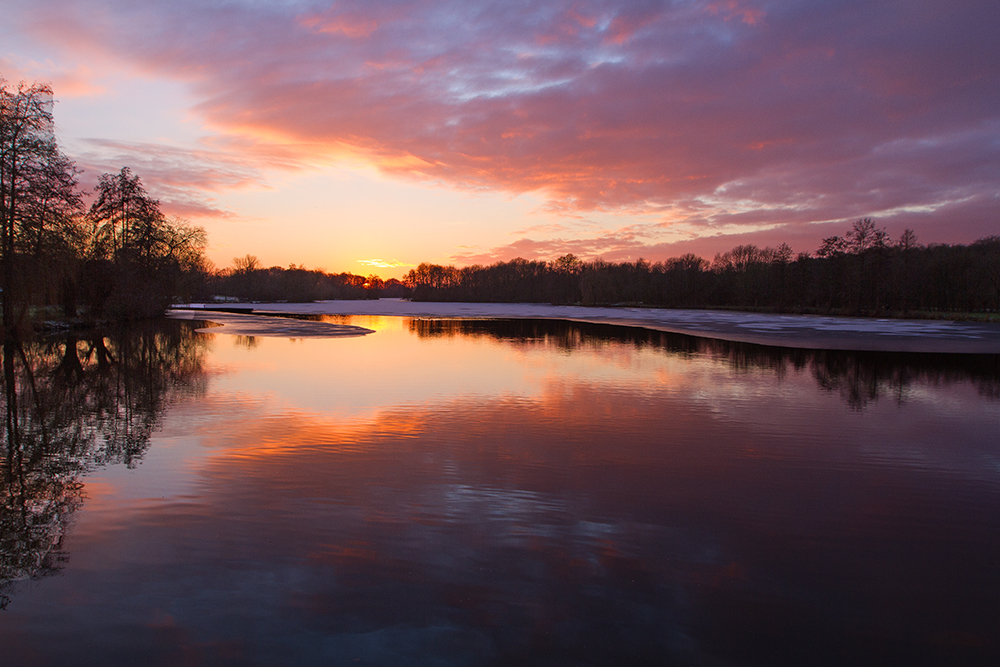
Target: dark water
x=495, y=493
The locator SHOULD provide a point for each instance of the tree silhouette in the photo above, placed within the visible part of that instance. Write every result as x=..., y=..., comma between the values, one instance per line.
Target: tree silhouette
x=137, y=256
x=37, y=197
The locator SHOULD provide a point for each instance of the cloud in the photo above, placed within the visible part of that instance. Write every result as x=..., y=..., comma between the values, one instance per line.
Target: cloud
x=723, y=112
x=355, y=22
x=184, y=180
x=730, y=9
x=612, y=246
x=383, y=264
x=546, y=228
x=78, y=81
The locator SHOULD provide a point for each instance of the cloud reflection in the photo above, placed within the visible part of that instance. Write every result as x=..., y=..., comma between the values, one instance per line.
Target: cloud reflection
x=622, y=493
x=593, y=513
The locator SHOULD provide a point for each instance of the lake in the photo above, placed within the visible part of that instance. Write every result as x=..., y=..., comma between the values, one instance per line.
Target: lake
x=495, y=492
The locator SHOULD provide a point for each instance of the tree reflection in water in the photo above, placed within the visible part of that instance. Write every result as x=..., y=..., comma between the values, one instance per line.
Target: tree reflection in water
x=859, y=377
x=605, y=509
x=73, y=405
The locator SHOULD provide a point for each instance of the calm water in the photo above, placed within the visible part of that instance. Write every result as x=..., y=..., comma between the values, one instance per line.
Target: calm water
x=495, y=493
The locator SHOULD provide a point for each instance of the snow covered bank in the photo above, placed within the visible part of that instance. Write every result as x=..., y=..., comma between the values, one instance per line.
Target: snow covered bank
x=802, y=331
x=264, y=325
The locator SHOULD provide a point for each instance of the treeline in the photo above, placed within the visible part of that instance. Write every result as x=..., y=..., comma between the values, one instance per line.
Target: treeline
x=121, y=258
x=863, y=272
x=247, y=280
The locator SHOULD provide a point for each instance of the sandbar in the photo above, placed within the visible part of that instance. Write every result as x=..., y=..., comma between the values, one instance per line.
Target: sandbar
x=267, y=325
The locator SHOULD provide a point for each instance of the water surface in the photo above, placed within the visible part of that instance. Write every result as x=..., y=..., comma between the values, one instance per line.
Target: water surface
x=495, y=492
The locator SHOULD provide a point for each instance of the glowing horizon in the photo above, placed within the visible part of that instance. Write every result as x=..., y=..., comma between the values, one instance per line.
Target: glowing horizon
x=370, y=137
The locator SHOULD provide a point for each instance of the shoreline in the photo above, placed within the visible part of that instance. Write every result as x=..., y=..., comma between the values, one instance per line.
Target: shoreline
x=795, y=331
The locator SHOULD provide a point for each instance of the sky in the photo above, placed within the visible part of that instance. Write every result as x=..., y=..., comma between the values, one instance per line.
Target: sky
x=371, y=136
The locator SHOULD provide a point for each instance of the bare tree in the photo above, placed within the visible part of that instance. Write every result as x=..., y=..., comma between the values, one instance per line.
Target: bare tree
x=138, y=254
x=864, y=236
x=125, y=217
x=37, y=188
x=246, y=263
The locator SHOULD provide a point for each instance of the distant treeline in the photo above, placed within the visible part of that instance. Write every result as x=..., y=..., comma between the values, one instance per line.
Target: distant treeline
x=863, y=272
x=247, y=280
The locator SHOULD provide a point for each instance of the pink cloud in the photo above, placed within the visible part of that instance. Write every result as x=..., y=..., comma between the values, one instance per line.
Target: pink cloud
x=610, y=247
x=76, y=82
x=730, y=9
x=351, y=24
x=185, y=181
x=625, y=24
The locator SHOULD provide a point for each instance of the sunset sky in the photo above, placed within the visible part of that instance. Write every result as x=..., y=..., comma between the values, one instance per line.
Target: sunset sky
x=371, y=136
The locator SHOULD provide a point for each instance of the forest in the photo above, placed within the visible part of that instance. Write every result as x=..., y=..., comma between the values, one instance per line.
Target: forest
x=863, y=272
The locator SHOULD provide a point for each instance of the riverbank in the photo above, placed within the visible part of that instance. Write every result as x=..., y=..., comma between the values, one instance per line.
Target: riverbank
x=797, y=331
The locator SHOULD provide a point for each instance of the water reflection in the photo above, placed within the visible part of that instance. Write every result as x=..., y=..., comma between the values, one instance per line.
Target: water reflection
x=535, y=493
x=71, y=406
x=860, y=377
x=249, y=342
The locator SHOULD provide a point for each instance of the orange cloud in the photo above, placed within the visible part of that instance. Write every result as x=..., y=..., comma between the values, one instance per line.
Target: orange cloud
x=730, y=9
x=351, y=25
x=79, y=81
x=383, y=264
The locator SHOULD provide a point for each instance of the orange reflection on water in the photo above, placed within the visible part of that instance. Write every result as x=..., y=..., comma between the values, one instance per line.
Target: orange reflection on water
x=525, y=490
